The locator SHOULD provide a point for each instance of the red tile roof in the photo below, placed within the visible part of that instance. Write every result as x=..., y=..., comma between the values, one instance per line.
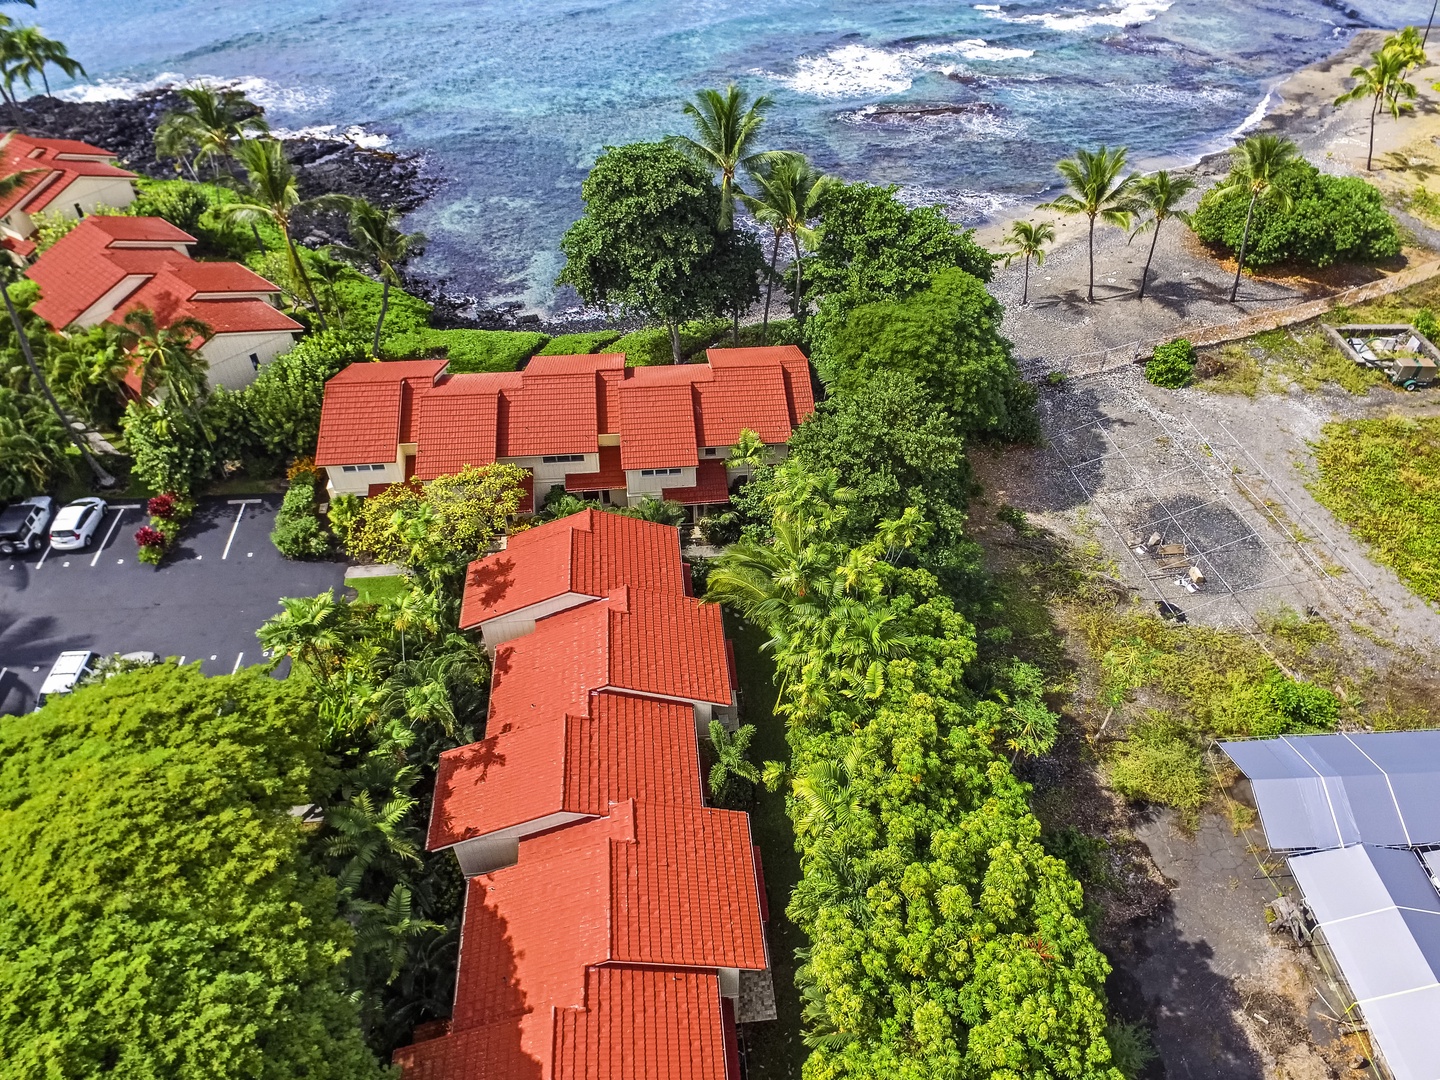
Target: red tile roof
x=590, y=553
x=360, y=418
x=84, y=266
x=611, y=474
x=58, y=166
x=628, y=748
x=563, y=404
x=634, y=1024
x=712, y=486
x=660, y=644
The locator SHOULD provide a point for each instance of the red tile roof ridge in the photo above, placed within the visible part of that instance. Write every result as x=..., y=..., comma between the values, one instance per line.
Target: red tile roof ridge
x=122, y=227
x=668, y=374
x=387, y=371
x=578, y=364
x=754, y=356
x=476, y=382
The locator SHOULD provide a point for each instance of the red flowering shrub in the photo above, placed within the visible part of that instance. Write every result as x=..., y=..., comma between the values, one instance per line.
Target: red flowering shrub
x=162, y=506
x=146, y=536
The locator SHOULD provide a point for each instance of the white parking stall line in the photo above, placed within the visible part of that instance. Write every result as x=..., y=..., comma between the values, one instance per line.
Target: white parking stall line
x=236, y=668
x=43, y=557
x=119, y=513
x=241, y=503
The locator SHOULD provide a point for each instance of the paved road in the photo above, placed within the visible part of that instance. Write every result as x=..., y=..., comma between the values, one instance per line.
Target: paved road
x=224, y=579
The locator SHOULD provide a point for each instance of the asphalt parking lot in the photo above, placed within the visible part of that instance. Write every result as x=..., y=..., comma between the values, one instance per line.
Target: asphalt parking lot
x=205, y=603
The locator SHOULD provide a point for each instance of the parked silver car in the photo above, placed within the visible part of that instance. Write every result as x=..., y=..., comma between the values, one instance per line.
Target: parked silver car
x=22, y=524
x=74, y=526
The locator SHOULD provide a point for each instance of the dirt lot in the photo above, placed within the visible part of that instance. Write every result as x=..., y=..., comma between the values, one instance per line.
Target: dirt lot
x=1221, y=480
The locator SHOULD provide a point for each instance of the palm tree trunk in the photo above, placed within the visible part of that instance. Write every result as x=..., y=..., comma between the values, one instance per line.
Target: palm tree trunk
x=1370, y=154
x=1025, y=292
x=735, y=327
x=770, y=288
x=1092, y=258
x=44, y=81
x=8, y=93
x=301, y=273
x=1244, y=243
x=1428, y=22
x=384, y=303
x=799, y=315
x=1145, y=274
x=103, y=478
x=675, y=340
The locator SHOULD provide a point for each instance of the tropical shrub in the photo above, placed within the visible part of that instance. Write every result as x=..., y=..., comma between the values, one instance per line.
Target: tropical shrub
x=1173, y=364
x=580, y=344
x=298, y=533
x=283, y=403
x=1160, y=762
x=170, y=448
x=157, y=899
x=358, y=297
x=468, y=350
x=34, y=450
x=151, y=542
x=645, y=348
x=50, y=228
x=943, y=939
x=1331, y=219
x=946, y=337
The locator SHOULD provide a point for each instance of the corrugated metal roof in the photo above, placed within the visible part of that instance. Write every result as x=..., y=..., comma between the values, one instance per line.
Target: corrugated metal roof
x=1380, y=914
x=1325, y=791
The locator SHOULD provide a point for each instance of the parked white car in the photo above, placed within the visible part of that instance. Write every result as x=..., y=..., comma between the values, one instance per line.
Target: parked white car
x=74, y=526
x=64, y=674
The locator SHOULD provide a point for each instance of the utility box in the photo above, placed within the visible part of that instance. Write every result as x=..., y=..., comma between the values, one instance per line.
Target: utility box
x=1406, y=356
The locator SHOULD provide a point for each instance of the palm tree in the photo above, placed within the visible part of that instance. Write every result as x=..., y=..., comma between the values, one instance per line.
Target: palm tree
x=726, y=127
x=167, y=357
x=207, y=125
x=789, y=199
x=308, y=630
x=270, y=193
x=1027, y=240
x=1384, y=81
x=1262, y=164
x=749, y=451
x=823, y=793
x=378, y=243
x=31, y=52
x=1097, y=191
x=1159, y=195
x=730, y=762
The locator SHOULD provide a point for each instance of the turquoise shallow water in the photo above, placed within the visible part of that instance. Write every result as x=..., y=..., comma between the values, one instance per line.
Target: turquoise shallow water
x=965, y=104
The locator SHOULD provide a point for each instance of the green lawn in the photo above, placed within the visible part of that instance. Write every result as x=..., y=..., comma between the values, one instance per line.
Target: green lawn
x=372, y=590
x=774, y=1049
x=1382, y=478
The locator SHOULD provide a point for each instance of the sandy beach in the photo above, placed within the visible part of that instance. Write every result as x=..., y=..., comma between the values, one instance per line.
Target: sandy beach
x=1188, y=287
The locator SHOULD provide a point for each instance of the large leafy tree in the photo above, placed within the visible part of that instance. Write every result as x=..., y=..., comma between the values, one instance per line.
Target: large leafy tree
x=727, y=124
x=158, y=917
x=649, y=243
x=1098, y=191
x=283, y=403
x=948, y=339
x=378, y=244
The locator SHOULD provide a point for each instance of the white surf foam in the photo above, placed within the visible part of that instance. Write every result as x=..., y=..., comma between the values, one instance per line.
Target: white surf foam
x=265, y=93
x=853, y=71
x=1256, y=115
x=1069, y=20
x=354, y=134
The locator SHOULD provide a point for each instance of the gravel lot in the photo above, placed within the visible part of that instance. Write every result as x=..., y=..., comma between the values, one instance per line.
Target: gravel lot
x=205, y=603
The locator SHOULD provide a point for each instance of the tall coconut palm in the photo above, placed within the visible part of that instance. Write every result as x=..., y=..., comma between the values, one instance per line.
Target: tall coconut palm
x=1027, y=240
x=206, y=126
x=271, y=193
x=788, y=199
x=167, y=357
x=379, y=244
x=1159, y=196
x=1384, y=82
x=1097, y=190
x=1262, y=166
x=726, y=126
x=28, y=52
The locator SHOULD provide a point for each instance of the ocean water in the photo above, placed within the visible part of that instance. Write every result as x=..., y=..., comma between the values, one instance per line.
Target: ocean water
x=966, y=104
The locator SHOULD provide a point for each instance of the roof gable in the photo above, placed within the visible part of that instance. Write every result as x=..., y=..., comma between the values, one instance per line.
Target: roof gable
x=360, y=417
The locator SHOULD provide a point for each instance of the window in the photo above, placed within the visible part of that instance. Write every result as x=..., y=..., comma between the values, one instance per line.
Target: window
x=557, y=459
x=363, y=468
x=711, y=451
x=661, y=472
x=255, y=361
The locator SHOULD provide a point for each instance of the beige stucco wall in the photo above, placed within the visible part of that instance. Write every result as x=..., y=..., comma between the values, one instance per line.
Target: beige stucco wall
x=228, y=355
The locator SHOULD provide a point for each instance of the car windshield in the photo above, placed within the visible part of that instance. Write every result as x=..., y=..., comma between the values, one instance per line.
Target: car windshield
x=69, y=518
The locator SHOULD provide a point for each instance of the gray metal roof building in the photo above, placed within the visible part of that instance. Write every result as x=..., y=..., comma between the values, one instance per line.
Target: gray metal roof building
x=1361, y=805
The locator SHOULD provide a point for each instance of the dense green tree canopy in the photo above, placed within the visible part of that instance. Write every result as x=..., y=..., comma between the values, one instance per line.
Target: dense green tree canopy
x=157, y=917
x=649, y=242
x=946, y=337
x=283, y=403
x=1326, y=219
